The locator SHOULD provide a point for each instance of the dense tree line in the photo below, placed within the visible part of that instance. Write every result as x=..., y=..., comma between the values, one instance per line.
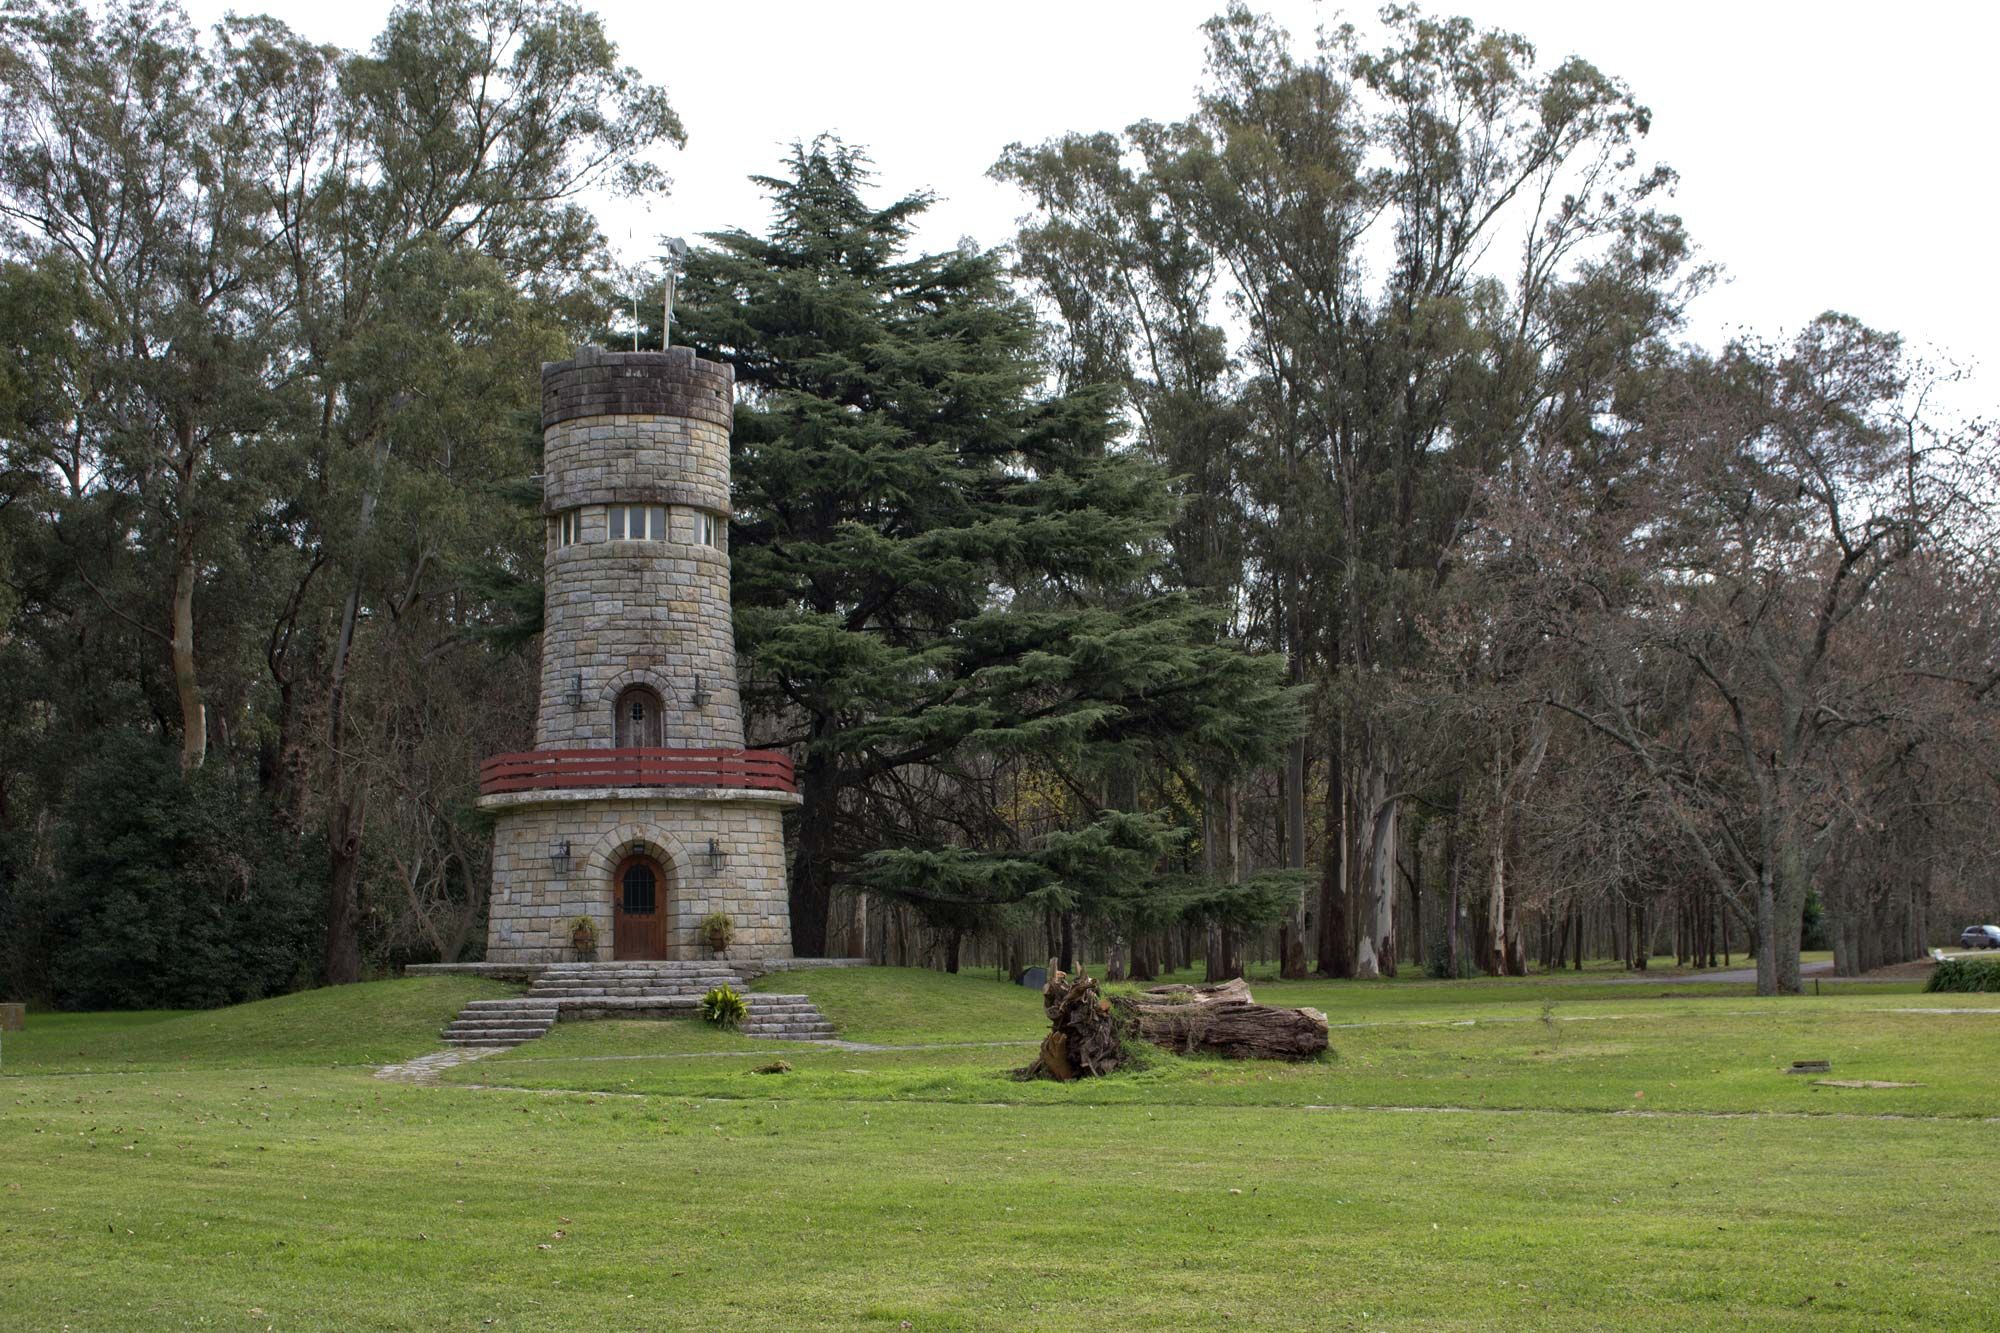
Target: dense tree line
x=1593, y=620
x=274, y=313
x=1312, y=536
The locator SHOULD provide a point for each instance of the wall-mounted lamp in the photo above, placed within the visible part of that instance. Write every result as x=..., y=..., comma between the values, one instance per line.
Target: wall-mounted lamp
x=559, y=856
x=700, y=697
x=715, y=855
x=576, y=691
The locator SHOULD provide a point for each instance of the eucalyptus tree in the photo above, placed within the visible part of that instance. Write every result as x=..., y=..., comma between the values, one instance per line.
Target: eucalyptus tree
x=1419, y=245
x=319, y=285
x=133, y=152
x=435, y=251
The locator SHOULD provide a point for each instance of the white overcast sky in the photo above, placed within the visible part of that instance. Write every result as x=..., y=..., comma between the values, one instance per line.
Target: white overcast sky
x=1832, y=155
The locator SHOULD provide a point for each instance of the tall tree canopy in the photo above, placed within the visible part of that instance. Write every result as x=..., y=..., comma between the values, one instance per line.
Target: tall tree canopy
x=937, y=566
x=290, y=303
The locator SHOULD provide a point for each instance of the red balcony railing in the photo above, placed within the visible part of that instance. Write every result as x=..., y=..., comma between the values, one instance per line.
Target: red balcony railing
x=548, y=770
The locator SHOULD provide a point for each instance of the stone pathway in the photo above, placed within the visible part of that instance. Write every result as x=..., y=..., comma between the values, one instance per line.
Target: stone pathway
x=426, y=1068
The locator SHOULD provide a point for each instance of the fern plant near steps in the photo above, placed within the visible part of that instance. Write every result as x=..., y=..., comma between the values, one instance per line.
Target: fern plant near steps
x=724, y=1007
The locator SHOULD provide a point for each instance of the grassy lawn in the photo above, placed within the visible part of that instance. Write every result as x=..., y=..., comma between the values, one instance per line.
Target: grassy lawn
x=235, y=1169
x=368, y=1024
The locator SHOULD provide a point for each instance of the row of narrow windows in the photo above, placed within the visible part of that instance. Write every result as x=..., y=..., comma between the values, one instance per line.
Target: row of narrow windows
x=642, y=523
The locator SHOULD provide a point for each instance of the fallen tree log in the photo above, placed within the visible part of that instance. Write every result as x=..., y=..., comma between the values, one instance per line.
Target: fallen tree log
x=1089, y=1031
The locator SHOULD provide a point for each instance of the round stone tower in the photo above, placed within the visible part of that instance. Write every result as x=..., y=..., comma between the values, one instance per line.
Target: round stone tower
x=639, y=807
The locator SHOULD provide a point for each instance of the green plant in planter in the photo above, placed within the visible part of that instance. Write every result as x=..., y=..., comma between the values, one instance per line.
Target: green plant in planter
x=718, y=928
x=724, y=1008
x=583, y=937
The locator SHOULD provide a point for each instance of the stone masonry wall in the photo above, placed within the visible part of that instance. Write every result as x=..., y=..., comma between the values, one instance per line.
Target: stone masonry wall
x=534, y=900
x=647, y=429
x=637, y=612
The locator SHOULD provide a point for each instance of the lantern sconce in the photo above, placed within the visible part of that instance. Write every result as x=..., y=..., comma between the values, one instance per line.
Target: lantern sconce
x=576, y=692
x=715, y=855
x=700, y=697
x=559, y=856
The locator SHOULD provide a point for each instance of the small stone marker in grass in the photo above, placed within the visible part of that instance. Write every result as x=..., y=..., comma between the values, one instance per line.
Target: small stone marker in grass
x=1811, y=1067
x=13, y=1017
x=1035, y=978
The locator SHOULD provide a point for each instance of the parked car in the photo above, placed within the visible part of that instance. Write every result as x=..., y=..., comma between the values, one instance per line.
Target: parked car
x=1980, y=937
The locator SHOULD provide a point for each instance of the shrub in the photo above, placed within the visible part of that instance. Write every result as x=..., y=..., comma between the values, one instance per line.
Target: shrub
x=724, y=1007
x=164, y=891
x=1965, y=974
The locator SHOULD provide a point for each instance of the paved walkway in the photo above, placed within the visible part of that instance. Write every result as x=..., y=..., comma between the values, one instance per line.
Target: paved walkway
x=1745, y=974
x=426, y=1068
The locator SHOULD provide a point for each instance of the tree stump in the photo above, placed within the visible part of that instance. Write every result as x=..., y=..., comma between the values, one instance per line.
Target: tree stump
x=1088, y=1031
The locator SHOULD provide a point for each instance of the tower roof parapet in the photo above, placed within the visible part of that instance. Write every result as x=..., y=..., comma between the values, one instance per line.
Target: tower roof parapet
x=673, y=383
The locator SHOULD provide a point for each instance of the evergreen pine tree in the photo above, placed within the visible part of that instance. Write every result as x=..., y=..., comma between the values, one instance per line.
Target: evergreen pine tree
x=933, y=560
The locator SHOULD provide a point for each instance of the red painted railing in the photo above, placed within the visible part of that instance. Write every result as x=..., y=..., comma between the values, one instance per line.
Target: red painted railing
x=547, y=770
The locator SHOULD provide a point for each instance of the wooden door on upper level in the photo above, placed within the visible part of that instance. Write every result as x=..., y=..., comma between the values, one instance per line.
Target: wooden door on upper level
x=638, y=720
x=638, y=909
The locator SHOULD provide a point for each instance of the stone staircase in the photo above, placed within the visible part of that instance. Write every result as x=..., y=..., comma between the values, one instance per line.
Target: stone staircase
x=572, y=991
x=500, y=1022
x=786, y=1018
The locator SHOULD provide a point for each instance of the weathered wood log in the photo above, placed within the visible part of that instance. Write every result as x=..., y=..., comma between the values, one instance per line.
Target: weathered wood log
x=1088, y=1031
x=1236, y=988
x=1233, y=1028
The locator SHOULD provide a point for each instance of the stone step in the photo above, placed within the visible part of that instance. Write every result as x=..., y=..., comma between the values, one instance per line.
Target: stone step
x=626, y=978
x=490, y=1036
x=801, y=1034
x=623, y=987
x=607, y=969
x=618, y=1004
x=509, y=1007
x=500, y=1021
x=618, y=978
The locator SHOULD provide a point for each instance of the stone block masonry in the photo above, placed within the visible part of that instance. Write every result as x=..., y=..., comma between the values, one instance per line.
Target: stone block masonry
x=535, y=899
x=636, y=493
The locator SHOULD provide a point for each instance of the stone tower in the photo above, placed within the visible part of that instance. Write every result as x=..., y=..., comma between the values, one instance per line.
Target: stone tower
x=638, y=806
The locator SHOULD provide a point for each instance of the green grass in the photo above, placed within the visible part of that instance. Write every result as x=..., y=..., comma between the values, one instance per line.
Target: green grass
x=232, y=1176
x=372, y=1023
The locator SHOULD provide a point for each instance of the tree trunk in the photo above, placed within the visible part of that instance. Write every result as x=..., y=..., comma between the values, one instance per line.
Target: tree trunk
x=341, y=964
x=194, y=714
x=1088, y=1031
x=1375, y=952
x=812, y=864
x=1143, y=966
x=1114, y=961
x=1336, y=952
x=1292, y=935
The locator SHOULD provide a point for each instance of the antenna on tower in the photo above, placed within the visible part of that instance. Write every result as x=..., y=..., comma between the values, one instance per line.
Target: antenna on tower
x=677, y=253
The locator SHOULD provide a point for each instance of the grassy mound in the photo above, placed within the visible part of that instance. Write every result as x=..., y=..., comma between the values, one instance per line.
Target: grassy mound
x=373, y=1023
x=913, y=1005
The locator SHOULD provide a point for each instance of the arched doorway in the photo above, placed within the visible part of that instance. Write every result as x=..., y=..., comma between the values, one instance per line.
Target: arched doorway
x=638, y=908
x=636, y=719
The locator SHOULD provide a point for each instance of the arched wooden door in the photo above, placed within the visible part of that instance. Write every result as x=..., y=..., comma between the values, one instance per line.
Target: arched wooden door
x=638, y=909
x=637, y=719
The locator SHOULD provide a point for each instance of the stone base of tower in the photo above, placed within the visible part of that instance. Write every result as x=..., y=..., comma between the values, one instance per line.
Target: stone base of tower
x=717, y=849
